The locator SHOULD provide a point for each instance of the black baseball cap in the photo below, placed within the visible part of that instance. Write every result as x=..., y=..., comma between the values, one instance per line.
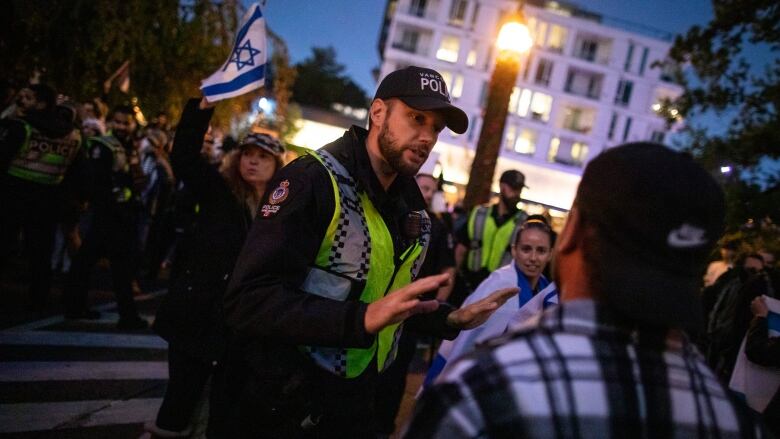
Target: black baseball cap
x=515, y=179
x=423, y=89
x=659, y=215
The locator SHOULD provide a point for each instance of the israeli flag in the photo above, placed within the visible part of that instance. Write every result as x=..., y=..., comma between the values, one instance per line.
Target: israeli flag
x=244, y=70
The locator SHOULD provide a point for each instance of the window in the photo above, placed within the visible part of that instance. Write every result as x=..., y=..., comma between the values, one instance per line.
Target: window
x=557, y=38
x=627, y=129
x=623, y=95
x=525, y=142
x=588, y=49
x=612, y=125
x=527, y=66
x=417, y=7
x=643, y=61
x=543, y=71
x=657, y=136
x=475, y=121
x=527, y=103
x=483, y=94
x=541, y=104
x=583, y=83
x=629, y=55
x=555, y=144
x=458, y=12
x=409, y=40
x=539, y=32
x=474, y=15
x=578, y=119
x=454, y=83
x=471, y=58
x=579, y=152
x=509, y=137
x=448, y=49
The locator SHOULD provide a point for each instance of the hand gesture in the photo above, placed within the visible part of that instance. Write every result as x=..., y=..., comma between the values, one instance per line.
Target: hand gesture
x=401, y=304
x=758, y=306
x=475, y=314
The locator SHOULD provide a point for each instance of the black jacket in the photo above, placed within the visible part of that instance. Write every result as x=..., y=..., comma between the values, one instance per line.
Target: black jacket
x=190, y=316
x=272, y=317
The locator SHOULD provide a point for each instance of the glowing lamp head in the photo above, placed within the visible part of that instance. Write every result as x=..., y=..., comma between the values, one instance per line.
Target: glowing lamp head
x=515, y=37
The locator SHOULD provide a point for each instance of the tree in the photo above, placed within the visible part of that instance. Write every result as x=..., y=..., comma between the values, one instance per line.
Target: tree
x=726, y=84
x=321, y=82
x=171, y=45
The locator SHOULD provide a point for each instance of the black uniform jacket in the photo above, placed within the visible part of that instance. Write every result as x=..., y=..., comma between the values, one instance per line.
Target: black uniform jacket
x=190, y=316
x=264, y=305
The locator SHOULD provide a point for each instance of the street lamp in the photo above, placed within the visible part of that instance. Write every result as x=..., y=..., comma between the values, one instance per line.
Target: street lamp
x=513, y=41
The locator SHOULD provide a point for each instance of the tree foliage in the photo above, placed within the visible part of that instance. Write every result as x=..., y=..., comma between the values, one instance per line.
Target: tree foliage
x=171, y=45
x=745, y=96
x=724, y=82
x=321, y=82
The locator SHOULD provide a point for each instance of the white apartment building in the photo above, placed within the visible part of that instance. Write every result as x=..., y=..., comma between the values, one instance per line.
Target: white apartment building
x=586, y=85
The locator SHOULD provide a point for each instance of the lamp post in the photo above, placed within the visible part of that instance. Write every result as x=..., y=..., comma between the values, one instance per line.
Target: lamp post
x=513, y=40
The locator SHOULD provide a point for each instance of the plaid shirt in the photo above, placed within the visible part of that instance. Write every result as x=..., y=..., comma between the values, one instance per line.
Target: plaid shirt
x=573, y=373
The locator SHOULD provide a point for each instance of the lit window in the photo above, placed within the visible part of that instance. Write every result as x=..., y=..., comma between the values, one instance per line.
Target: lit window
x=509, y=136
x=513, y=99
x=539, y=32
x=524, y=103
x=526, y=142
x=555, y=143
x=457, y=86
x=579, y=151
x=541, y=104
x=557, y=39
x=454, y=83
x=471, y=59
x=448, y=49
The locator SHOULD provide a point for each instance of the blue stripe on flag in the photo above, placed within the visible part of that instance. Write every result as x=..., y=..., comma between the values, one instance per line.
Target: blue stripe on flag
x=436, y=367
x=256, y=15
x=773, y=322
x=241, y=80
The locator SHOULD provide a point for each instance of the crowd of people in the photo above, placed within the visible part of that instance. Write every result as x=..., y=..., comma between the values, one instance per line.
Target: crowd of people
x=300, y=291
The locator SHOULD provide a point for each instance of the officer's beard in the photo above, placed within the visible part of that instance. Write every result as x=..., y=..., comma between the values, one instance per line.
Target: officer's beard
x=393, y=153
x=509, y=202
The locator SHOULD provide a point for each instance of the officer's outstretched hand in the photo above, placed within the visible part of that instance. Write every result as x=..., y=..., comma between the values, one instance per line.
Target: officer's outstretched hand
x=403, y=303
x=475, y=314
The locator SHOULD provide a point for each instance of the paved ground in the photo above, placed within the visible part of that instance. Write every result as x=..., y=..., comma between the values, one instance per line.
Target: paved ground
x=86, y=379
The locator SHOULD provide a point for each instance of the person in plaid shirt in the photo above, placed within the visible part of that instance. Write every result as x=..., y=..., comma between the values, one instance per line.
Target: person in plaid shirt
x=613, y=360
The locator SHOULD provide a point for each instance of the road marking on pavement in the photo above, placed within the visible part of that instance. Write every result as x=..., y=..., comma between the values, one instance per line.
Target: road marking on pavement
x=26, y=371
x=84, y=339
x=49, y=321
x=16, y=418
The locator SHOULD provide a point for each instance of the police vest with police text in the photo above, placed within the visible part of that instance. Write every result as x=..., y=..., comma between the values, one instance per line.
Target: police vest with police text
x=356, y=261
x=43, y=159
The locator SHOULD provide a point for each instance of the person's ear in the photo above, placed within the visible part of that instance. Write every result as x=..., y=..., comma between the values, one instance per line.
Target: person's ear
x=378, y=112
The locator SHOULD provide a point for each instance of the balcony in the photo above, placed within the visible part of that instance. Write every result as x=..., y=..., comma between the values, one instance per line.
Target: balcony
x=578, y=119
x=413, y=41
x=593, y=49
x=583, y=83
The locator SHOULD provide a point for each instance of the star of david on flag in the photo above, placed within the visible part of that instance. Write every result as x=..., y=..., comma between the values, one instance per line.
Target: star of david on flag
x=244, y=70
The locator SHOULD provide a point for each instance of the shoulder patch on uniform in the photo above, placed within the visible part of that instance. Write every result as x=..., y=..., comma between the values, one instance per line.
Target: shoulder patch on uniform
x=95, y=152
x=275, y=198
x=280, y=193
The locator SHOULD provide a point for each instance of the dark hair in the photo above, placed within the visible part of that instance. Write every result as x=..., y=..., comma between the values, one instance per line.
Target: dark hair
x=44, y=93
x=124, y=109
x=535, y=223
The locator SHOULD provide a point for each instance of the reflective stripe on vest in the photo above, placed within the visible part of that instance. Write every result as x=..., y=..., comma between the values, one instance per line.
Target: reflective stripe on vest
x=42, y=159
x=489, y=245
x=356, y=261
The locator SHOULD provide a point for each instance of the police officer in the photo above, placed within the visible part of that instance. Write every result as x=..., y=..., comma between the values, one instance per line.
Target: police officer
x=37, y=148
x=484, y=241
x=325, y=280
x=114, y=206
